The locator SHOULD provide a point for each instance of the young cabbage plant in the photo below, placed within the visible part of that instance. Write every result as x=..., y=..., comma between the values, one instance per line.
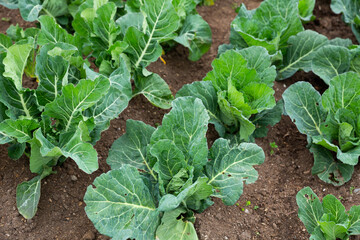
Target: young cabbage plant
x=138, y=36
x=350, y=10
x=62, y=117
x=238, y=94
x=332, y=123
x=269, y=26
x=327, y=220
x=311, y=51
x=161, y=177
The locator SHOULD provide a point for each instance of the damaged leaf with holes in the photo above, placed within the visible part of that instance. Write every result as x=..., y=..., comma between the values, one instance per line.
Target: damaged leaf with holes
x=327, y=219
x=160, y=177
x=332, y=123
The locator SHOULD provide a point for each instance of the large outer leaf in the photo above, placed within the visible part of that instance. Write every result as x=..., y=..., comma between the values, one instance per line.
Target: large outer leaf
x=130, y=148
x=69, y=106
x=121, y=205
x=230, y=167
x=172, y=228
x=186, y=127
x=310, y=208
x=303, y=105
x=155, y=89
x=329, y=169
x=15, y=62
x=52, y=73
x=330, y=61
x=301, y=50
x=196, y=35
x=162, y=21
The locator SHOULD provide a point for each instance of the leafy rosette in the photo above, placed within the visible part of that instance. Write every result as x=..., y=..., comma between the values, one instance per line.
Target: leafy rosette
x=238, y=93
x=160, y=177
x=331, y=122
x=62, y=117
x=269, y=26
x=327, y=219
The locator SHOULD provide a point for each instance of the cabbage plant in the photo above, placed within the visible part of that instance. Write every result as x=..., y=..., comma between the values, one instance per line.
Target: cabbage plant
x=160, y=177
x=63, y=116
x=238, y=93
x=332, y=123
x=327, y=220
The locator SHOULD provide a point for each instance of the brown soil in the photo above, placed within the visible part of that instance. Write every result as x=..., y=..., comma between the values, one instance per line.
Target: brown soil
x=61, y=212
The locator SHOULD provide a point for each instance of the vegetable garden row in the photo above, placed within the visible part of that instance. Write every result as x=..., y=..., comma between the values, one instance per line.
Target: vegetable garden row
x=86, y=60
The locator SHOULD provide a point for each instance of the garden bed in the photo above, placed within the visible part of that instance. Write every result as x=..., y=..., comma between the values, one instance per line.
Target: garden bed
x=272, y=213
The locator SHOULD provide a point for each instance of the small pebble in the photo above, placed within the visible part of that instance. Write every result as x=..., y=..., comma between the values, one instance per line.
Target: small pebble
x=246, y=211
x=357, y=190
x=89, y=236
x=73, y=178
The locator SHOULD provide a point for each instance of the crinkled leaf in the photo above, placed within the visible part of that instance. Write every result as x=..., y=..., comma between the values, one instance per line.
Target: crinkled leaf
x=303, y=105
x=192, y=195
x=186, y=126
x=332, y=230
x=155, y=89
x=310, y=208
x=333, y=206
x=230, y=167
x=121, y=206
